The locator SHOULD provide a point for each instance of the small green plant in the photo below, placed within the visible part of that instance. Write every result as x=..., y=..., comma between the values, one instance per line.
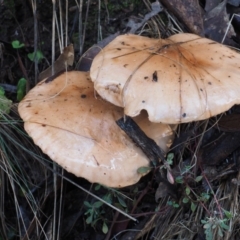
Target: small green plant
x=143, y=170
x=173, y=203
x=95, y=211
x=21, y=89
x=170, y=157
x=179, y=179
x=204, y=197
x=191, y=196
x=5, y=103
x=212, y=224
x=167, y=165
x=34, y=56
x=16, y=44
x=38, y=56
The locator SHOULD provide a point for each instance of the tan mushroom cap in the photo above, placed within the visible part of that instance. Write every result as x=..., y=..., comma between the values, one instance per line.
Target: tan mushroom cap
x=78, y=131
x=180, y=79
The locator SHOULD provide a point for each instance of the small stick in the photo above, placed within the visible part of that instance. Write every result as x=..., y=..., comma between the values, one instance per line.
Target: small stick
x=148, y=145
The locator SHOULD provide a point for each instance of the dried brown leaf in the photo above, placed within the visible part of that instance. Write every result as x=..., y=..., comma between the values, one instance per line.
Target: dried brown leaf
x=216, y=22
x=64, y=60
x=188, y=12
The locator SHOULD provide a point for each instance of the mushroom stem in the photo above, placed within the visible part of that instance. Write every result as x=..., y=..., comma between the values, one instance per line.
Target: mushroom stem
x=148, y=145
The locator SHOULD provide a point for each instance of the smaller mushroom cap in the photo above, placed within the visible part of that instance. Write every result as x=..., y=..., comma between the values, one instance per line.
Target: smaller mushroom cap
x=180, y=79
x=79, y=132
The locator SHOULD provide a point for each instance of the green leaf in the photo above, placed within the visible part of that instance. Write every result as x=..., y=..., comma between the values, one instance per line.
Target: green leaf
x=170, y=157
x=89, y=211
x=175, y=205
x=207, y=225
x=193, y=206
x=118, y=205
x=87, y=204
x=2, y=91
x=143, y=170
x=187, y=190
x=185, y=200
x=228, y=214
x=108, y=198
x=105, y=228
x=220, y=233
x=179, y=179
x=16, y=44
x=224, y=226
x=97, y=187
x=209, y=235
x=204, y=196
x=38, y=56
x=121, y=201
x=89, y=219
x=5, y=103
x=97, y=204
x=198, y=178
x=21, y=89
x=187, y=168
x=172, y=203
x=94, y=222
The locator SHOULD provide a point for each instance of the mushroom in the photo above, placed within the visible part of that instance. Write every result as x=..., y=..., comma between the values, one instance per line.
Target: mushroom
x=179, y=79
x=78, y=130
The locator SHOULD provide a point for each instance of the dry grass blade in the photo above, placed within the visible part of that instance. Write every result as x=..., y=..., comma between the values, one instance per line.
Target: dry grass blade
x=22, y=172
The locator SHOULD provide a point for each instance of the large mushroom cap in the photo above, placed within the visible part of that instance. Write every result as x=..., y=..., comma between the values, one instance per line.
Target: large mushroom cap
x=78, y=131
x=180, y=79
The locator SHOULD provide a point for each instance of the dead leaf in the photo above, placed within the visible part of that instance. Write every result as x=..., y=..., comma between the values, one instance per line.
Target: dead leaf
x=165, y=189
x=211, y=4
x=85, y=61
x=64, y=60
x=188, y=12
x=216, y=22
x=234, y=3
x=134, y=23
x=229, y=123
x=220, y=148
